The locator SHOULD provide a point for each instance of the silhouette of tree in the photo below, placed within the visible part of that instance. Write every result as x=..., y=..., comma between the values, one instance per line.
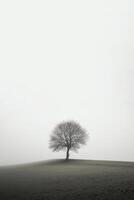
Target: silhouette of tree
x=68, y=136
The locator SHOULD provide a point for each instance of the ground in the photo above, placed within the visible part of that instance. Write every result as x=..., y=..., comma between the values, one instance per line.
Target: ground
x=76, y=179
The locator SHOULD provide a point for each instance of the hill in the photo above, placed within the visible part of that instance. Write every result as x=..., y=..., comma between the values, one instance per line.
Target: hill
x=75, y=179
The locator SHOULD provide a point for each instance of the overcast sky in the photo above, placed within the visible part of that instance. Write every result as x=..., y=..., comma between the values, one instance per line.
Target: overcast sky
x=66, y=60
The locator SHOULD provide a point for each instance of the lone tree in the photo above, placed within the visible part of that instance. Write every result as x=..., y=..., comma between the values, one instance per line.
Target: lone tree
x=68, y=136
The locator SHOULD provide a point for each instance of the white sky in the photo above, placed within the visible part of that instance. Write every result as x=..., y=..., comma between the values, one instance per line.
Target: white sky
x=62, y=60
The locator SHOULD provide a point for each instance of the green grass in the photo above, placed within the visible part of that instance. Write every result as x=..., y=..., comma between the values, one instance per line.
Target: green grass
x=76, y=179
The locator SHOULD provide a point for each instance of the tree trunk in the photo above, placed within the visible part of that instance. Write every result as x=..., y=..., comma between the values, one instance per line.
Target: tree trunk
x=67, y=154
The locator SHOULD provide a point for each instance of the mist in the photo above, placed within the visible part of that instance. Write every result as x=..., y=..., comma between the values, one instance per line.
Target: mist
x=60, y=61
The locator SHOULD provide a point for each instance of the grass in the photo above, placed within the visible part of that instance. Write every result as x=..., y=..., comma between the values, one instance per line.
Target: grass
x=75, y=179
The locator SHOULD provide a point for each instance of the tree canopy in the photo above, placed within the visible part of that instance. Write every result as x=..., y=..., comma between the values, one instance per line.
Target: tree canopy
x=69, y=136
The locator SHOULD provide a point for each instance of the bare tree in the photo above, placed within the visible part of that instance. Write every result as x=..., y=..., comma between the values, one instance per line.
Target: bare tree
x=68, y=136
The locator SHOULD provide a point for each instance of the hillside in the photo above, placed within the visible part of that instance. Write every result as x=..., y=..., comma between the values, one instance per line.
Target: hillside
x=76, y=179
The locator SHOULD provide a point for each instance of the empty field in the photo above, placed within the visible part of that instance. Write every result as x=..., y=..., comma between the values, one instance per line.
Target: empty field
x=75, y=179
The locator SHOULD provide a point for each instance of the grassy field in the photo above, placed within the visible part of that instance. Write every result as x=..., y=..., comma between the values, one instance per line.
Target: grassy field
x=76, y=179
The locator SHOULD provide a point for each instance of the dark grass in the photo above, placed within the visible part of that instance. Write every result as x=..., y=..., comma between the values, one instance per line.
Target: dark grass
x=75, y=179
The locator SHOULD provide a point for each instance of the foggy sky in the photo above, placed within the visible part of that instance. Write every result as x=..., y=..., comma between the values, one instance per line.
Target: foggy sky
x=66, y=60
